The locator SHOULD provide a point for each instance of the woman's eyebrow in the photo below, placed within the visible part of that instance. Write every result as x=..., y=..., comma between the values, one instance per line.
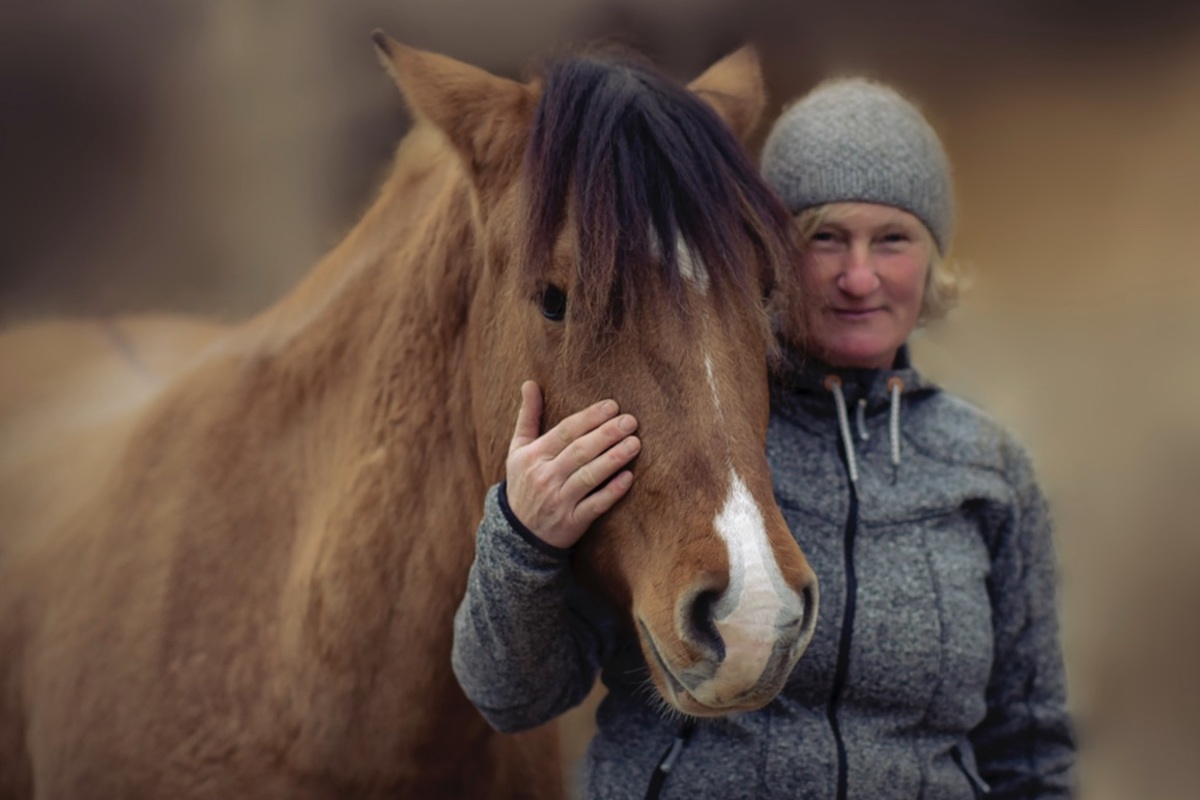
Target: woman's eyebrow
x=896, y=226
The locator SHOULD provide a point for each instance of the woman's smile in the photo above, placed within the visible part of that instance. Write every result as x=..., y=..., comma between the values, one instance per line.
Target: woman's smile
x=865, y=269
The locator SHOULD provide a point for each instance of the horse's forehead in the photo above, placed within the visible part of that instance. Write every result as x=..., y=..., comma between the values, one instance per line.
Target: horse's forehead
x=690, y=263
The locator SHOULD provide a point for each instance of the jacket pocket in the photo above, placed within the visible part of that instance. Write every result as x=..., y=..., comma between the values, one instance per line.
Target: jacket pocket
x=966, y=763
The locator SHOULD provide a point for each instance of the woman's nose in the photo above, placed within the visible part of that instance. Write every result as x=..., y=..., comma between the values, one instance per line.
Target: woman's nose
x=858, y=277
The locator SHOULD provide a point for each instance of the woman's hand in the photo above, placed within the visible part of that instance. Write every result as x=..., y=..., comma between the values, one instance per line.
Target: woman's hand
x=553, y=478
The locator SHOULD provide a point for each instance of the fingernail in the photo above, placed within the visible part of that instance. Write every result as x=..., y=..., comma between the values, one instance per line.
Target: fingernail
x=609, y=407
x=627, y=424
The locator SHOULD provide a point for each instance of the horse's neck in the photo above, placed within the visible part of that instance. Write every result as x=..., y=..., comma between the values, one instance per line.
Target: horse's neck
x=373, y=337
x=372, y=344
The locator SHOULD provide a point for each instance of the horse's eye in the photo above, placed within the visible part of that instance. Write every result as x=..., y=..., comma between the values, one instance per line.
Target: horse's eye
x=554, y=303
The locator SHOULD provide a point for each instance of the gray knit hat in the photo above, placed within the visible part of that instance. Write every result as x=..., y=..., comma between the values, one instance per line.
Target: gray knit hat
x=852, y=140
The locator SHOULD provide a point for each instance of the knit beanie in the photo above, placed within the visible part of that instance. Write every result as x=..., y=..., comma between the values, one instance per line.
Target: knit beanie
x=853, y=140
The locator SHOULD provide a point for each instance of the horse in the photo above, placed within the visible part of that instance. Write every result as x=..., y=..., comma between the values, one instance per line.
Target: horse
x=231, y=553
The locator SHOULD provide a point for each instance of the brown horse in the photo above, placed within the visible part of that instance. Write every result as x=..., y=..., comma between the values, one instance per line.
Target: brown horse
x=230, y=556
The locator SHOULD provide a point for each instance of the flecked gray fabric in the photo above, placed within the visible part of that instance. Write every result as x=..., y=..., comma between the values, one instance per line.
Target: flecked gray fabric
x=954, y=676
x=852, y=140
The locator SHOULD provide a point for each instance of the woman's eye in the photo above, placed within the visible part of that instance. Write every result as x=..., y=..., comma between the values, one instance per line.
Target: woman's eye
x=554, y=303
x=824, y=240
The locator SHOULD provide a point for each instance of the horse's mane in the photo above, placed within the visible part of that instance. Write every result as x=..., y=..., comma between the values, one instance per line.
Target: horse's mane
x=640, y=163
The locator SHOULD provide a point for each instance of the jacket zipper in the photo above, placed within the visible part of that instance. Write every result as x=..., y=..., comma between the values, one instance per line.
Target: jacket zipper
x=843, y=662
x=669, y=757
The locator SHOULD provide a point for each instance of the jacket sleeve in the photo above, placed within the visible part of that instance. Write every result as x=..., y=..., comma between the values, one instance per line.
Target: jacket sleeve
x=1025, y=746
x=527, y=640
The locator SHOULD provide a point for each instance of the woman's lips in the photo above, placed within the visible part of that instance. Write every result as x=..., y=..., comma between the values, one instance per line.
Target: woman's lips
x=855, y=314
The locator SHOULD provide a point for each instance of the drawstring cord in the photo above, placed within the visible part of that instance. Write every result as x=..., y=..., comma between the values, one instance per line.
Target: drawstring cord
x=895, y=386
x=834, y=384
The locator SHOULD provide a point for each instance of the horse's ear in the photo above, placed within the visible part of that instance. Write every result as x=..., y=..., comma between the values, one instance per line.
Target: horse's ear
x=482, y=115
x=734, y=87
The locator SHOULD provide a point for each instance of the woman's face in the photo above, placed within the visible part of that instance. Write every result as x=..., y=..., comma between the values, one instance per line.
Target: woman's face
x=864, y=279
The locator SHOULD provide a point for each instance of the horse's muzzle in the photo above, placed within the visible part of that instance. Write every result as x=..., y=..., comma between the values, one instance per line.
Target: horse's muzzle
x=734, y=653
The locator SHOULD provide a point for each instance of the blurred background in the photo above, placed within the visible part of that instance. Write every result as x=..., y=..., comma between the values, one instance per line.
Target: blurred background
x=200, y=155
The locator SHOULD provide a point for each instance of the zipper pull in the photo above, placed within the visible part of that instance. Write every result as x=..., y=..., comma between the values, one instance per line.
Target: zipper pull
x=667, y=762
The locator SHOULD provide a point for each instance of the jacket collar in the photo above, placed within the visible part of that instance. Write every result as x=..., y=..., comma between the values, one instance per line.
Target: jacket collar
x=801, y=381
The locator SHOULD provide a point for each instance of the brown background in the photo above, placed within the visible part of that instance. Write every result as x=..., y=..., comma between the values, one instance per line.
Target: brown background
x=200, y=155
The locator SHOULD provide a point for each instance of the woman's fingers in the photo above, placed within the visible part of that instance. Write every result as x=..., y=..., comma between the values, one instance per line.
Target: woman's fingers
x=595, y=458
x=579, y=424
x=596, y=503
x=560, y=481
x=529, y=416
x=589, y=446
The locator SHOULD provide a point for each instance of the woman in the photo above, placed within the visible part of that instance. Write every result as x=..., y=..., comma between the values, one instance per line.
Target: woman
x=936, y=669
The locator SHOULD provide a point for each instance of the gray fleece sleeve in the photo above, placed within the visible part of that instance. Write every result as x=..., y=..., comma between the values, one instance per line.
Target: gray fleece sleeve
x=1025, y=746
x=523, y=653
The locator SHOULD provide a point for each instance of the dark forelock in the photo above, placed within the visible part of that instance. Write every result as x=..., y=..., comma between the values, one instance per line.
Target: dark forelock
x=641, y=160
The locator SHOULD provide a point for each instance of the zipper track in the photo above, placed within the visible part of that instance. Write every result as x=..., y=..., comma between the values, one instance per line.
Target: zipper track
x=843, y=662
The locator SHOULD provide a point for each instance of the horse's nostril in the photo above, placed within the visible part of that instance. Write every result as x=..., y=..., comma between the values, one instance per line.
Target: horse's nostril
x=703, y=631
x=810, y=597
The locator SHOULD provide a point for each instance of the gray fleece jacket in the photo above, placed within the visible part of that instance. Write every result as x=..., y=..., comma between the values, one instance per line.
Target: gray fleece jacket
x=935, y=671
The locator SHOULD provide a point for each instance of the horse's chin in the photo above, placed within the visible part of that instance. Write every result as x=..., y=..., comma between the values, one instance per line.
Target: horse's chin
x=687, y=704
x=708, y=699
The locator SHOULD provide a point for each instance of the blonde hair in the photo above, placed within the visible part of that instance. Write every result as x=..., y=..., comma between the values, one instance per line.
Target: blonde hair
x=943, y=279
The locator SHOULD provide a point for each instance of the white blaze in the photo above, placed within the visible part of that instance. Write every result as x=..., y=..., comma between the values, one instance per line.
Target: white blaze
x=691, y=268
x=712, y=384
x=748, y=613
